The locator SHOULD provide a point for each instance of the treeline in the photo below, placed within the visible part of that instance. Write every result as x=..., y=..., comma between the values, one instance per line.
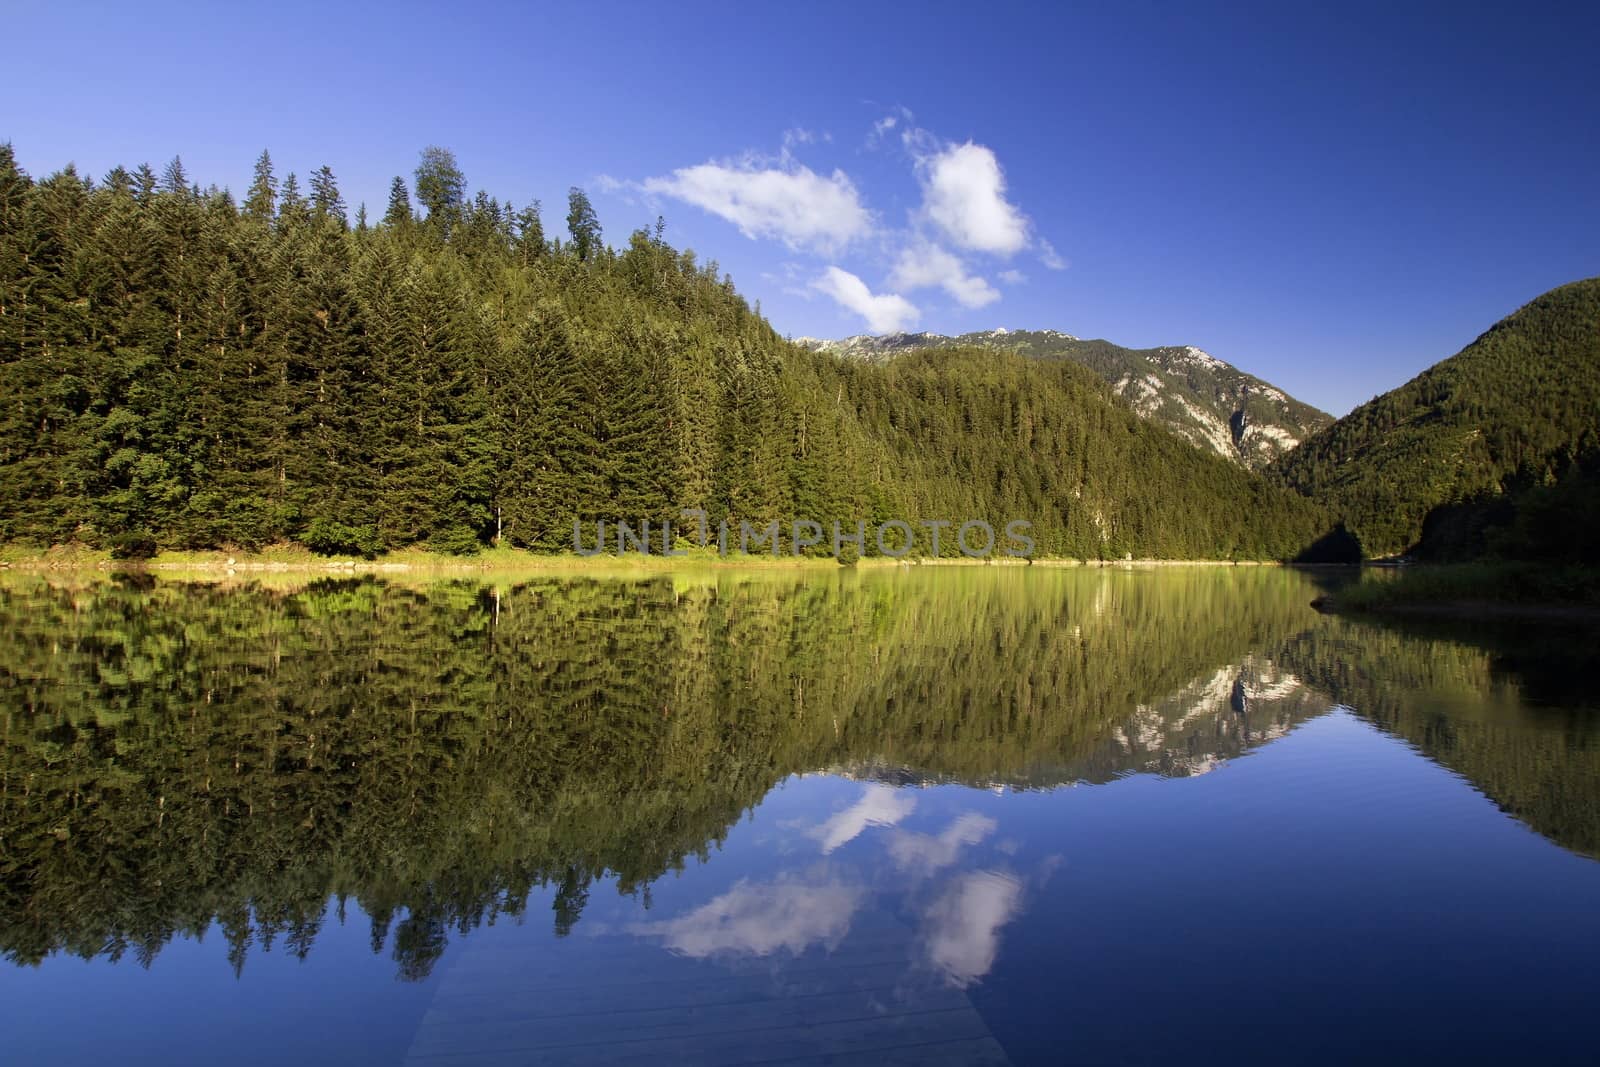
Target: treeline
x=1515, y=416
x=179, y=369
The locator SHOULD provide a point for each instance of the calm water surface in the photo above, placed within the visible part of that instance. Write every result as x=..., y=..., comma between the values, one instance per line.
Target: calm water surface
x=912, y=816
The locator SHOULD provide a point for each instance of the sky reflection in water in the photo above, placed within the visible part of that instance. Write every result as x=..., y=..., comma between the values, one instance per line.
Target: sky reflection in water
x=965, y=818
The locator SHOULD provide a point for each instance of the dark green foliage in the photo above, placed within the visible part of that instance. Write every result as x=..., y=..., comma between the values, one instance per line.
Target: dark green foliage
x=326, y=201
x=1509, y=413
x=399, y=210
x=1339, y=545
x=262, y=200
x=966, y=433
x=1472, y=590
x=133, y=545
x=333, y=538
x=174, y=179
x=1551, y=524
x=1556, y=523
x=177, y=367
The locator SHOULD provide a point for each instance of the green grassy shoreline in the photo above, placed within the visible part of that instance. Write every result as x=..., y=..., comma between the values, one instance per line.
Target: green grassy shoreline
x=297, y=559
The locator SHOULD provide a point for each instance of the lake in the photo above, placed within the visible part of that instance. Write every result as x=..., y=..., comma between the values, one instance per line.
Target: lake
x=899, y=815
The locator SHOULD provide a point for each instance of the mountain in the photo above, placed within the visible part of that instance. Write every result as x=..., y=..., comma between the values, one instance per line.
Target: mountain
x=1514, y=410
x=1209, y=403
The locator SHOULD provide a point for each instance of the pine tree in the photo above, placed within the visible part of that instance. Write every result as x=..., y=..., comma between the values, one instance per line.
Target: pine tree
x=145, y=184
x=293, y=210
x=174, y=180
x=325, y=199
x=530, y=243
x=399, y=210
x=262, y=201
x=548, y=454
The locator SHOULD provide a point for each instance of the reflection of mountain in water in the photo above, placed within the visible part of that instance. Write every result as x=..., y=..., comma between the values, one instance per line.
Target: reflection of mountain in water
x=1186, y=733
x=176, y=755
x=1212, y=720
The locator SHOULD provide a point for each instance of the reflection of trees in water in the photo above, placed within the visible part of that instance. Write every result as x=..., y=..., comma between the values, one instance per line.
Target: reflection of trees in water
x=1476, y=699
x=176, y=755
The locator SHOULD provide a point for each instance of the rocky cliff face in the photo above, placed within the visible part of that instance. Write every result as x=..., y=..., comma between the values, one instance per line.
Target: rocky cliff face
x=1216, y=718
x=1210, y=403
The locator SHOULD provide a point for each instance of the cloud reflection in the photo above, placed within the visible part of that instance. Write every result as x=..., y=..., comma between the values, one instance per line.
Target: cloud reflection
x=880, y=805
x=926, y=854
x=758, y=919
x=962, y=926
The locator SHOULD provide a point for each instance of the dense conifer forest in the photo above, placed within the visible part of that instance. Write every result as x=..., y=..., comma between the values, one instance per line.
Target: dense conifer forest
x=183, y=369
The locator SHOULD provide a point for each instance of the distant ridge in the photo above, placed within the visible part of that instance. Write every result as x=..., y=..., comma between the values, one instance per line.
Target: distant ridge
x=1513, y=410
x=1210, y=403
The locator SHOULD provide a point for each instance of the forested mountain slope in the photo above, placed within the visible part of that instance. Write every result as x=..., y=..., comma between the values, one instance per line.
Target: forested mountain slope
x=1202, y=399
x=1513, y=410
x=181, y=370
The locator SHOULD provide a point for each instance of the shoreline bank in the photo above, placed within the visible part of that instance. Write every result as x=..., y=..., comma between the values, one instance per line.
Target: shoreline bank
x=1487, y=590
x=1465, y=610
x=288, y=561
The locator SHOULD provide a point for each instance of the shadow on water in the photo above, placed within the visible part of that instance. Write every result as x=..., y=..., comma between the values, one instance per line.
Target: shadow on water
x=177, y=755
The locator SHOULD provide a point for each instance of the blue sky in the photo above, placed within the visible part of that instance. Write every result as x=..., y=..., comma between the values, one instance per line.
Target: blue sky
x=1331, y=199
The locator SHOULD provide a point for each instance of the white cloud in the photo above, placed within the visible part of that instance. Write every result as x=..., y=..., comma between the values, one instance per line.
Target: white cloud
x=925, y=265
x=886, y=125
x=964, y=215
x=623, y=190
x=788, y=201
x=880, y=805
x=964, y=194
x=884, y=312
x=1049, y=257
x=759, y=919
x=791, y=281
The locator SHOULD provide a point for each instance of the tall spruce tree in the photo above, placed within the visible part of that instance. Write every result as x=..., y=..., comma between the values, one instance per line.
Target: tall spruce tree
x=326, y=201
x=398, y=212
x=262, y=201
